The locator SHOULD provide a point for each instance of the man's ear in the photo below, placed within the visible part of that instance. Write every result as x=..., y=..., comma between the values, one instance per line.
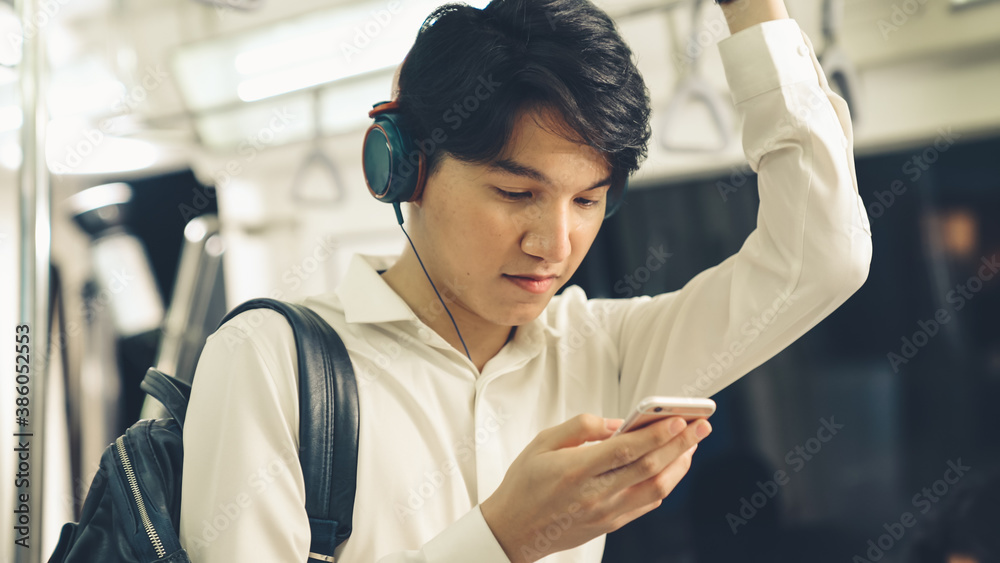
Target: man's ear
x=418, y=203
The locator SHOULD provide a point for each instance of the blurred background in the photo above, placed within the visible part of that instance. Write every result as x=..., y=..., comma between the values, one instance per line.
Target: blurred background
x=162, y=161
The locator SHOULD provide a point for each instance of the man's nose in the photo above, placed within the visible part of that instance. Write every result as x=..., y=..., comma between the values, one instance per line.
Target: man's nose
x=547, y=233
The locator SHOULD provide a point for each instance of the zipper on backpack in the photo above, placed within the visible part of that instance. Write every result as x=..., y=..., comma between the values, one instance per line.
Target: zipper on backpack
x=133, y=483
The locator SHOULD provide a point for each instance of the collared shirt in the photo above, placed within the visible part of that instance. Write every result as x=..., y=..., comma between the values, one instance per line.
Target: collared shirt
x=437, y=436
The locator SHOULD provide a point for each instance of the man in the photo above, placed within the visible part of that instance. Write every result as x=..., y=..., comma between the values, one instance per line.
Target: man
x=487, y=440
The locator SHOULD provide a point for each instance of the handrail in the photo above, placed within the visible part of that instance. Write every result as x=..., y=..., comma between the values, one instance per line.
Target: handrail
x=35, y=206
x=837, y=66
x=692, y=87
x=186, y=321
x=317, y=157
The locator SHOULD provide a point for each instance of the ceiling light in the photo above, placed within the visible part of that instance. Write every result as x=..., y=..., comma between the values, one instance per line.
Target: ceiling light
x=74, y=147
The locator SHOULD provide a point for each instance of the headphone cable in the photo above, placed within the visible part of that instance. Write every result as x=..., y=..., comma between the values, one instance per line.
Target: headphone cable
x=399, y=218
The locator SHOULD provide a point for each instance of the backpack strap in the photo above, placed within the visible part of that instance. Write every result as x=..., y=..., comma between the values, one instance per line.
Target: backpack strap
x=328, y=423
x=170, y=391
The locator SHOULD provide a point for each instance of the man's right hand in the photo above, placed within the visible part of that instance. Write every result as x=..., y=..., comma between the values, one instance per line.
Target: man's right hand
x=557, y=495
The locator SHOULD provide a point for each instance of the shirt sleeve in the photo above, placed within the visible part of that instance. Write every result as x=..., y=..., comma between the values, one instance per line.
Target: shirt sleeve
x=468, y=539
x=243, y=497
x=809, y=252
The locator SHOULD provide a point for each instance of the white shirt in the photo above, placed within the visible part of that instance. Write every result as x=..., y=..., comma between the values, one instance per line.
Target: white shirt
x=437, y=436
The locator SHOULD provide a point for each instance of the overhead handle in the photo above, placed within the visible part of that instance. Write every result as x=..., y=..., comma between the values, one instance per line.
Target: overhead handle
x=691, y=86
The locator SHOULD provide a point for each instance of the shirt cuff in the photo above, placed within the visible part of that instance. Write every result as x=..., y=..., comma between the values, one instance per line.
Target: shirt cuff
x=765, y=57
x=468, y=539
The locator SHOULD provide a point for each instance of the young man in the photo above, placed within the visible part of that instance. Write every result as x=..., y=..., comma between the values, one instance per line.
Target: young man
x=502, y=453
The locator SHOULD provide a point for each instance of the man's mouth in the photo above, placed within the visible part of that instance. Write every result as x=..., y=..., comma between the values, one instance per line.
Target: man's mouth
x=532, y=283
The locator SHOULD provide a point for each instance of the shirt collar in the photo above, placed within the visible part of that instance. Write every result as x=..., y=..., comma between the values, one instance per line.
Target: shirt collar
x=366, y=298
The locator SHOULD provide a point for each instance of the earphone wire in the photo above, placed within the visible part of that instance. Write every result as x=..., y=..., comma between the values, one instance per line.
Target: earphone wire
x=399, y=216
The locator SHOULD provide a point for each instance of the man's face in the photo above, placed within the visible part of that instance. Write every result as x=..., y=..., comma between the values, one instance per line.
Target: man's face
x=504, y=237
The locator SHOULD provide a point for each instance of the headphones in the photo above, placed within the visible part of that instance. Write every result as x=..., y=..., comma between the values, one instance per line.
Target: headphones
x=396, y=169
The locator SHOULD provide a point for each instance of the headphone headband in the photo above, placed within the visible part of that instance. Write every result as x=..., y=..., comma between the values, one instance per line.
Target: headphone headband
x=395, y=168
x=383, y=107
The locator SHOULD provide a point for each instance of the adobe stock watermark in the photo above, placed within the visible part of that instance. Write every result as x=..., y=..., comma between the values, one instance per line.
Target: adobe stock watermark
x=434, y=480
x=783, y=130
x=247, y=151
x=750, y=330
x=228, y=512
x=913, y=168
x=958, y=298
x=90, y=139
x=293, y=277
x=368, y=369
x=796, y=458
x=561, y=521
x=252, y=144
x=738, y=177
x=924, y=501
x=655, y=260
x=46, y=11
x=200, y=199
x=899, y=16
x=454, y=116
x=564, y=520
x=581, y=333
x=297, y=274
x=695, y=43
x=372, y=28
x=369, y=366
x=451, y=291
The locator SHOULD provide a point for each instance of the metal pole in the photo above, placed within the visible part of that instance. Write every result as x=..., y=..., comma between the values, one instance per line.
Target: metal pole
x=35, y=224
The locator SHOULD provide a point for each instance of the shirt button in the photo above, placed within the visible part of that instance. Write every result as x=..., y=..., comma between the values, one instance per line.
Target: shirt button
x=803, y=50
x=424, y=334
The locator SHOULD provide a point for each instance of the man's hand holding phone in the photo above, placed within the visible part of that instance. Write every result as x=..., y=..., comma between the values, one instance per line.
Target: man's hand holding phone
x=586, y=492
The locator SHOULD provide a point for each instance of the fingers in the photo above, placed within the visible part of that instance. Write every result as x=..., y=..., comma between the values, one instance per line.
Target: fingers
x=649, y=494
x=652, y=453
x=627, y=448
x=680, y=449
x=575, y=431
x=662, y=484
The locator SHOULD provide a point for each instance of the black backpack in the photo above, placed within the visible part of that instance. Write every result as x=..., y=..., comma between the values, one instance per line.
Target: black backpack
x=132, y=510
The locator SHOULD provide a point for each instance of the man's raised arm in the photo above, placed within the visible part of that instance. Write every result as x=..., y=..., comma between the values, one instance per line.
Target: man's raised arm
x=741, y=14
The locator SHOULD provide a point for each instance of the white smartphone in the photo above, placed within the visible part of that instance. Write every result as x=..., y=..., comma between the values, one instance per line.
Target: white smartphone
x=654, y=408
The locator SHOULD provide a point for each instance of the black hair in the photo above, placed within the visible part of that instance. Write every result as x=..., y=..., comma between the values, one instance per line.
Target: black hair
x=517, y=55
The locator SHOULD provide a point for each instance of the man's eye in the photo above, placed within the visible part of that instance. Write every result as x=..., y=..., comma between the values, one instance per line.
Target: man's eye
x=513, y=196
x=587, y=202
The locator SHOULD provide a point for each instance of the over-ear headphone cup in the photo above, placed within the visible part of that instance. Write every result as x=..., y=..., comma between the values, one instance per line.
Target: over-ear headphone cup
x=394, y=167
x=377, y=157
